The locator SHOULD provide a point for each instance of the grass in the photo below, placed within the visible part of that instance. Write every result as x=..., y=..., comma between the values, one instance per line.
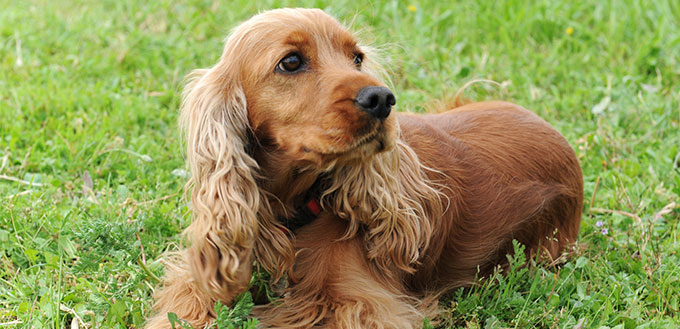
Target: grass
x=92, y=170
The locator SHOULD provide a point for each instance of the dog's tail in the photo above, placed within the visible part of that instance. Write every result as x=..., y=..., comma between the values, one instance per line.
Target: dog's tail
x=449, y=102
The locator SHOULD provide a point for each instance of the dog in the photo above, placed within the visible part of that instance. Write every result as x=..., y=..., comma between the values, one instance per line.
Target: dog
x=300, y=165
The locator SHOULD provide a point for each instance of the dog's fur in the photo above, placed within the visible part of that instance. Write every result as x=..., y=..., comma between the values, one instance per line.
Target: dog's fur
x=412, y=205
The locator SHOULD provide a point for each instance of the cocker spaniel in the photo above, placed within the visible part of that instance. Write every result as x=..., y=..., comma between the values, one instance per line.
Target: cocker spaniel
x=299, y=164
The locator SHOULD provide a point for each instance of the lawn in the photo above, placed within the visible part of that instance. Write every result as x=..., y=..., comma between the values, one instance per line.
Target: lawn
x=92, y=169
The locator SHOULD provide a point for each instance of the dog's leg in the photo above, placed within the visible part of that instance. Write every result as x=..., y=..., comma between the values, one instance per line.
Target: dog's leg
x=334, y=286
x=179, y=294
x=364, y=302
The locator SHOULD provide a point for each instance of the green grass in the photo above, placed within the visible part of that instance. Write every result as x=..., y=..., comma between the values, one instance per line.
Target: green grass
x=89, y=93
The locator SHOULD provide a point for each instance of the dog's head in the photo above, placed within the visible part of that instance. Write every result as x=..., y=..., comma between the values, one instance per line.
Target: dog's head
x=309, y=87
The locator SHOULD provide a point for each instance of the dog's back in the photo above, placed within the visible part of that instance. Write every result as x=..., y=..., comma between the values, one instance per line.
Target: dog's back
x=509, y=175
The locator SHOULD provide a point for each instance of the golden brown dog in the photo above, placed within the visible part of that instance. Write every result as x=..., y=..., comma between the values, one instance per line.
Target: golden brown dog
x=408, y=205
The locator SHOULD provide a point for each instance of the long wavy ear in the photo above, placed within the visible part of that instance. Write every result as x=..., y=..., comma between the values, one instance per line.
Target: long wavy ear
x=225, y=196
x=392, y=196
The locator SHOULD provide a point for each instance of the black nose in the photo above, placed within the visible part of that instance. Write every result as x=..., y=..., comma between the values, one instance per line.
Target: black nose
x=376, y=101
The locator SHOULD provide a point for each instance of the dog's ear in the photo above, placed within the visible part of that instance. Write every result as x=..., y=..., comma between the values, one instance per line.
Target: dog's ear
x=392, y=197
x=225, y=196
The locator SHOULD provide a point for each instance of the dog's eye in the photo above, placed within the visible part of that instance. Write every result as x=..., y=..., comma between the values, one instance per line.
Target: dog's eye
x=358, y=59
x=290, y=64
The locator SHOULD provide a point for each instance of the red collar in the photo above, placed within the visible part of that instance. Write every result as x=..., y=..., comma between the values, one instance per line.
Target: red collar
x=304, y=215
